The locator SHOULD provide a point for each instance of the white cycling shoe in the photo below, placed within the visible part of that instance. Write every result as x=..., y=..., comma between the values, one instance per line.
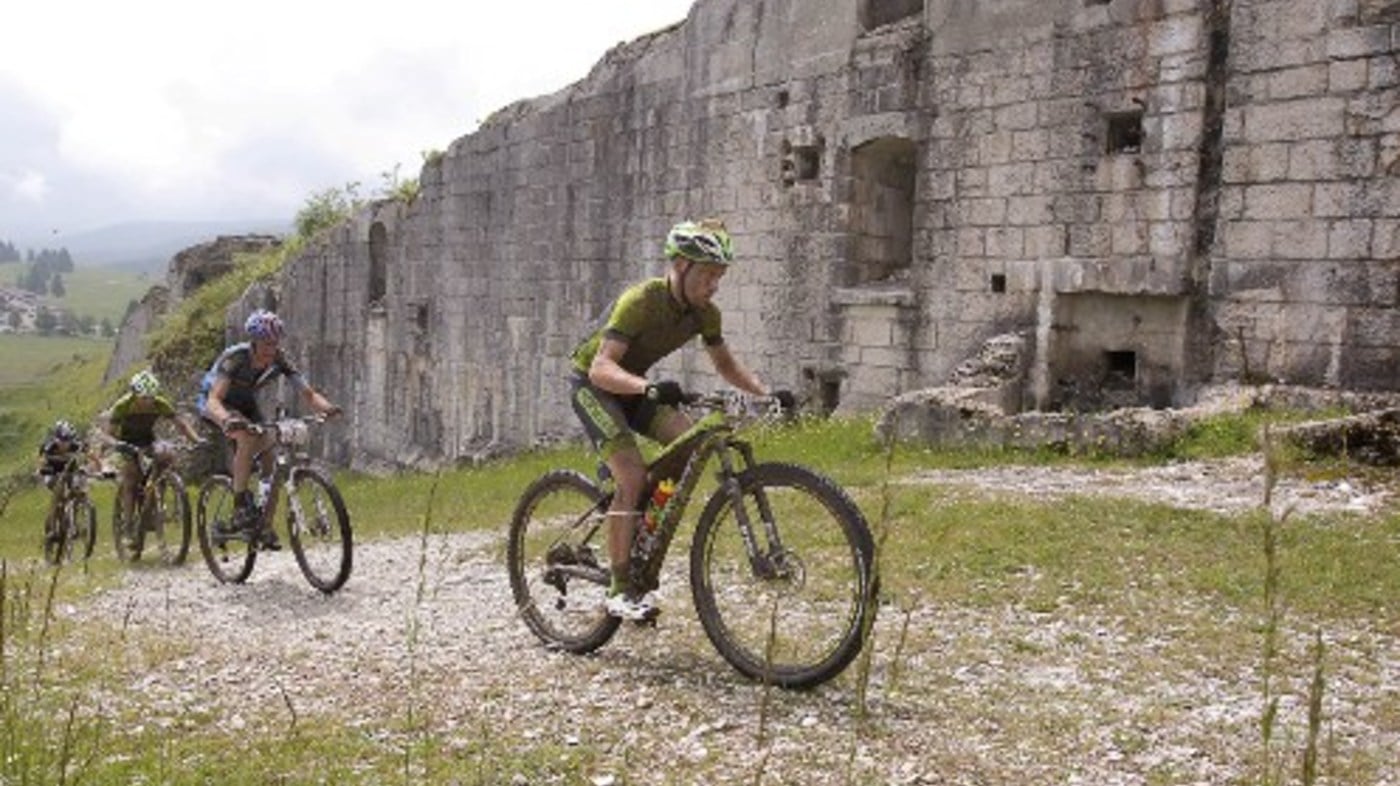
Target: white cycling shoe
x=624, y=606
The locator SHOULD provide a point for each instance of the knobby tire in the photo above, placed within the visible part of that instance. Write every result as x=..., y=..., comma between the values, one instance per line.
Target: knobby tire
x=318, y=527
x=232, y=561
x=803, y=627
x=558, y=523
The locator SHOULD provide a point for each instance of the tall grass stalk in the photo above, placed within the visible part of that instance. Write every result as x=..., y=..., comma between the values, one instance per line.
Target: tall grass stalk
x=1270, y=771
x=1315, y=691
x=765, y=703
x=415, y=734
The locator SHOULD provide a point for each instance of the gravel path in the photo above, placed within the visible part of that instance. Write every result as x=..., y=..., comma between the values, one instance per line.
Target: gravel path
x=1166, y=694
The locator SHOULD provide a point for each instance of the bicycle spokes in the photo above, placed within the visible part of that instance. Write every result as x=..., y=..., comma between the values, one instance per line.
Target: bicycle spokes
x=558, y=565
x=792, y=612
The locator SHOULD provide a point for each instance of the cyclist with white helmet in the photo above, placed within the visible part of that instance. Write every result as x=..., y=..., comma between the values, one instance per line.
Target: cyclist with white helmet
x=613, y=398
x=131, y=421
x=228, y=399
x=61, y=445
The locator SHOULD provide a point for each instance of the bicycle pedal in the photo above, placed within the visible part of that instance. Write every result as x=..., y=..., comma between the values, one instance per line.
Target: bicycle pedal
x=649, y=621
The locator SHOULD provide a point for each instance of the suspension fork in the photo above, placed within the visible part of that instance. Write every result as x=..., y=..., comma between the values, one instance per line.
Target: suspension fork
x=761, y=561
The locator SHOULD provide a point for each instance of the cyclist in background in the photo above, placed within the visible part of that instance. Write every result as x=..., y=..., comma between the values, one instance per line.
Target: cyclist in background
x=132, y=419
x=228, y=399
x=611, y=395
x=61, y=446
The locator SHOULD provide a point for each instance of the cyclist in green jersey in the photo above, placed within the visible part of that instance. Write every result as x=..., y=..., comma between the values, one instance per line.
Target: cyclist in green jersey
x=614, y=400
x=132, y=420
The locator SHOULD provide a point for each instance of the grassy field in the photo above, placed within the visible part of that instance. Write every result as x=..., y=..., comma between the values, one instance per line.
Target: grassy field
x=978, y=552
x=1154, y=567
x=97, y=292
x=29, y=358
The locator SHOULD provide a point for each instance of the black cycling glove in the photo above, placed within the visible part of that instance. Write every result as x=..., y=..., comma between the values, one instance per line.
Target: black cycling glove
x=667, y=391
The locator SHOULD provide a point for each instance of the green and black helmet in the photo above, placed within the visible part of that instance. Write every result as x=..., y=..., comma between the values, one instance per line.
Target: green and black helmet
x=700, y=241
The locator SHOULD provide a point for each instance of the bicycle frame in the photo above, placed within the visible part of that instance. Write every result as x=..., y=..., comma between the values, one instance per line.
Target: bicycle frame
x=285, y=456
x=712, y=436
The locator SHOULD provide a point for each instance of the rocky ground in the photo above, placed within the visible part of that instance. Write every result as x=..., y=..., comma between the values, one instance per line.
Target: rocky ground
x=1158, y=691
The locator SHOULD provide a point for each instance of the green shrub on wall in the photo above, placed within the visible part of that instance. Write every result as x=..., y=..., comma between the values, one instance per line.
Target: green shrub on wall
x=191, y=337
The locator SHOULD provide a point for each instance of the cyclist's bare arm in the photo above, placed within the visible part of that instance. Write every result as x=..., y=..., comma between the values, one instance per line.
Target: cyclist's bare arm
x=105, y=428
x=215, y=403
x=734, y=372
x=183, y=423
x=318, y=403
x=607, y=373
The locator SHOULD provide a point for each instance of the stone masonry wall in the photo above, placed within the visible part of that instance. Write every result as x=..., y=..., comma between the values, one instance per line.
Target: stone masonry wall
x=1159, y=191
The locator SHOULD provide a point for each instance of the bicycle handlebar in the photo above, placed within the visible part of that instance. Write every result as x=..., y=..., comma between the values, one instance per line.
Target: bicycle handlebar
x=734, y=403
x=290, y=430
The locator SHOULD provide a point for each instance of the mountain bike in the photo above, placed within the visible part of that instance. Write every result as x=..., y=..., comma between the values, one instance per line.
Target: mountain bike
x=160, y=513
x=781, y=561
x=318, y=525
x=72, y=520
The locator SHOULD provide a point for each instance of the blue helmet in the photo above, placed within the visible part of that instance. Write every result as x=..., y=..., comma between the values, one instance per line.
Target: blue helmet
x=263, y=325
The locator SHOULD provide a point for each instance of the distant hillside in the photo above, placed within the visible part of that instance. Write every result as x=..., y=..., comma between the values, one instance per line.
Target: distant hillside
x=146, y=246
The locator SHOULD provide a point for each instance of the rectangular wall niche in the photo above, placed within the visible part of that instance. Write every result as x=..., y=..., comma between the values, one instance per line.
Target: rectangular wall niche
x=802, y=163
x=876, y=13
x=1123, y=133
x=882, y=209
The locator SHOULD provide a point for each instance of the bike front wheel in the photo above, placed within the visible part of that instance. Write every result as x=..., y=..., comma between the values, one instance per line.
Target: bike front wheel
x=795, y=613
x=165, y=523
x=226, y=551
x=557, y=557
x=72, y=529
x=319, y=528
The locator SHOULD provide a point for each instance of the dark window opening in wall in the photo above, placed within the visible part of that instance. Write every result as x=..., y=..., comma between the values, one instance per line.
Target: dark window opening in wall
x=1122, y=368
x=782, y=99
x=802, y=163
x=808, y=162
x=875, y=13
x=420, y=317
x=825, y=387
x=1097, y=2
x=998, y=282
x=882, y=209
x=378, y=274
x=1124, y=133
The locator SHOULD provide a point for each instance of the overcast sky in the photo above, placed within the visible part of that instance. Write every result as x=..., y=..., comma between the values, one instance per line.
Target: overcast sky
x=179, y=110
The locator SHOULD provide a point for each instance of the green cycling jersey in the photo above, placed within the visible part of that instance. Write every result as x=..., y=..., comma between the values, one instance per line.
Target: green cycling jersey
x=133, y=419
x=652, y=323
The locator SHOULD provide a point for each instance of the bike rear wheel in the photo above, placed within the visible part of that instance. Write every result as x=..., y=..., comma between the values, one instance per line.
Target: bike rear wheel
x=128, y=538
x=319, y=529
x=57, y=545
x=230, y=559
x=799, y=617
x=166, y=520
x=83, y=518
x=557, y=557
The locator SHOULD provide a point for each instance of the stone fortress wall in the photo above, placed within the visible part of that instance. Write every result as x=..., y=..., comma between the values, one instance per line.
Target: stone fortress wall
x=1156, y=193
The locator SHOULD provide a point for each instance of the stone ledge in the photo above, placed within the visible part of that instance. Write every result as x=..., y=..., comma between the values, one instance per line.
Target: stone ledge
x=874, y=295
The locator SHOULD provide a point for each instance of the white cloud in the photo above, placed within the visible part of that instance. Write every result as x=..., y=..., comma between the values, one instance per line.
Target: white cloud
x=194, y=108
x=26, y=186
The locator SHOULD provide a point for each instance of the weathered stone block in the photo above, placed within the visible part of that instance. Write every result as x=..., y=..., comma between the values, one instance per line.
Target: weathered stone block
x=1248, y=239
x=1350, y=239
x=1295, y=120
x=1347, y=43
x=1346, y=76
x=1278, y=201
